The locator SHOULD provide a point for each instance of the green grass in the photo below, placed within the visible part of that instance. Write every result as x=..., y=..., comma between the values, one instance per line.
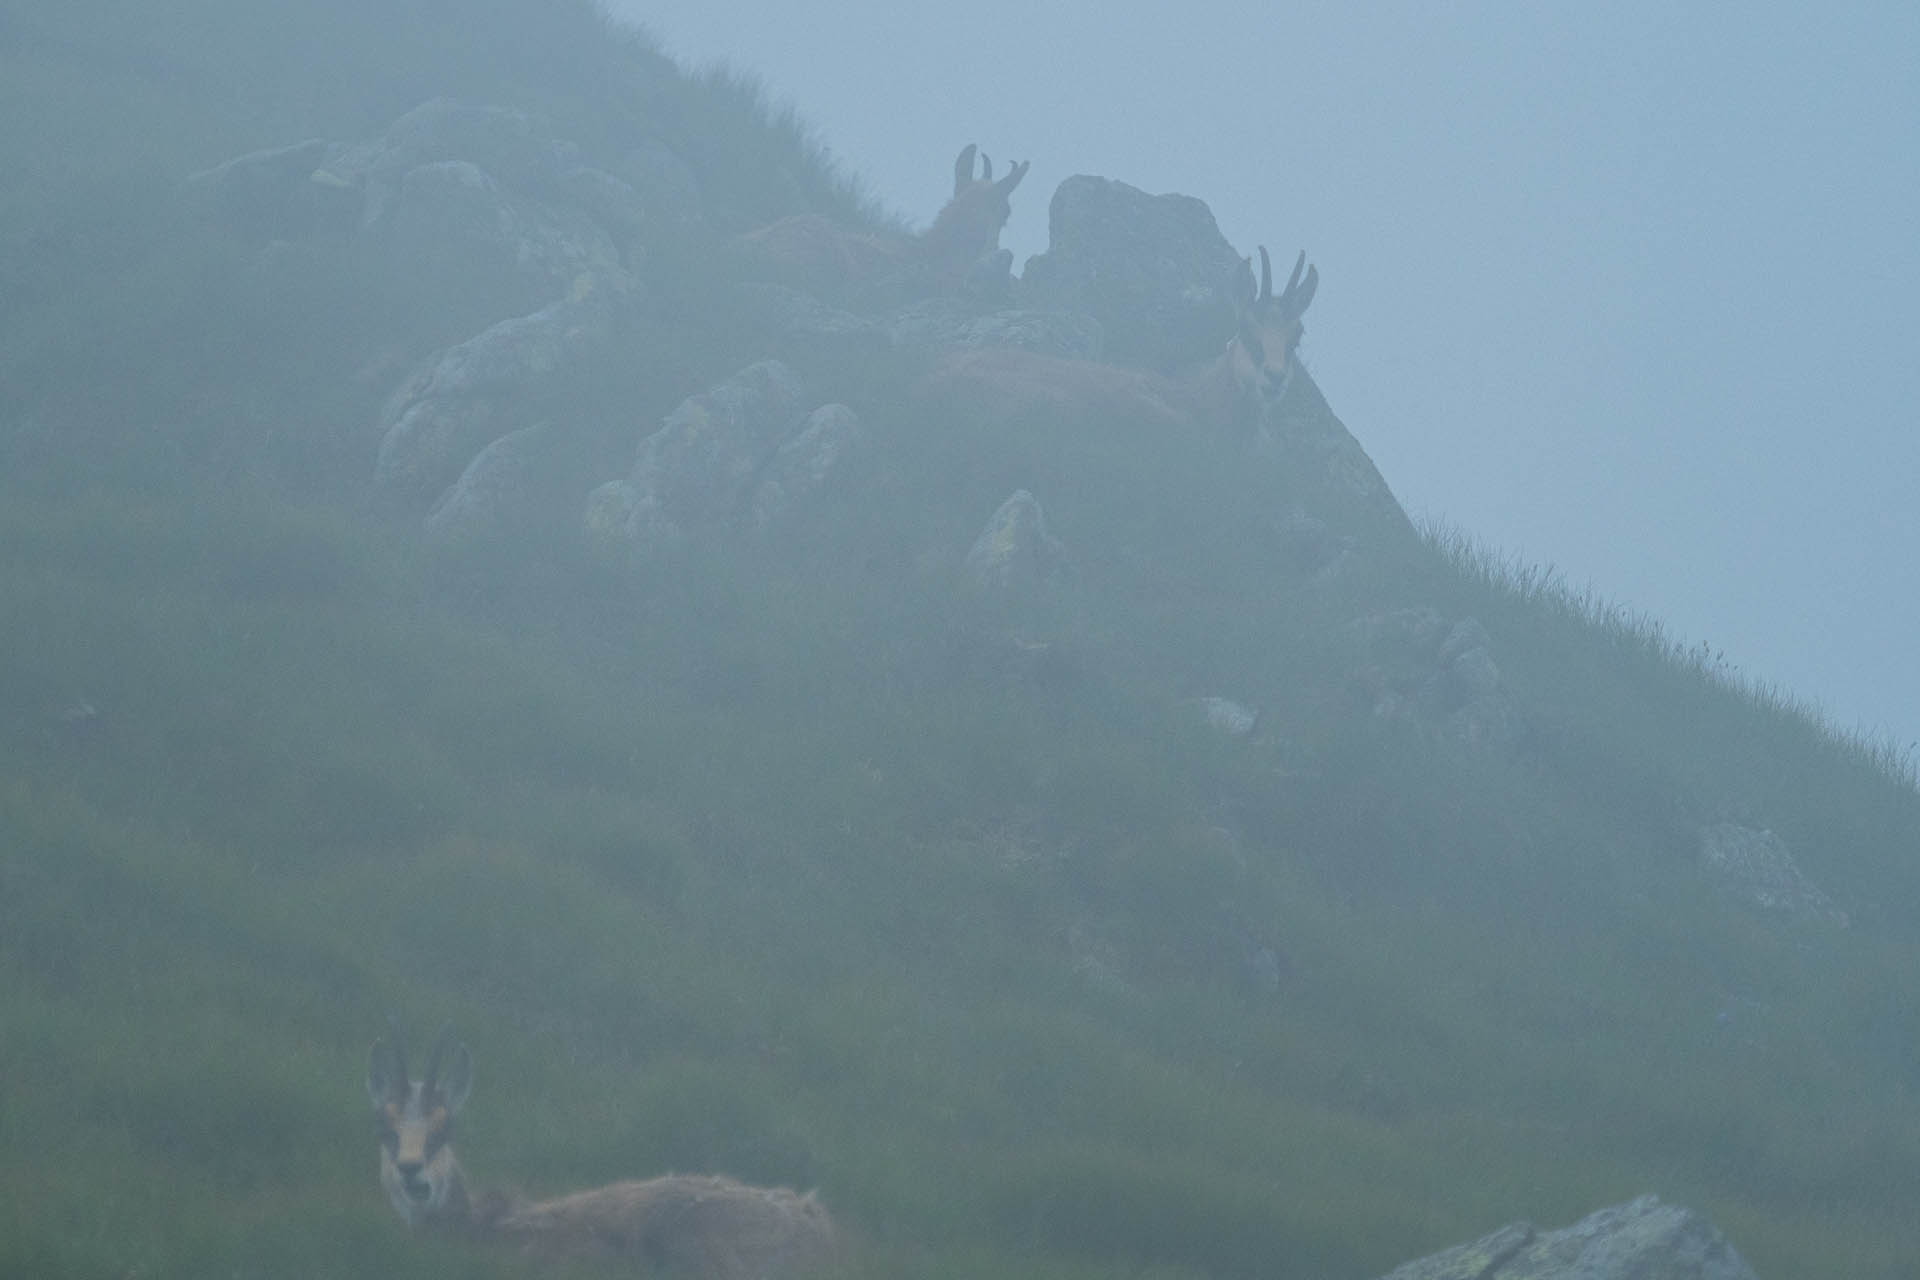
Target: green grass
x=820, y=932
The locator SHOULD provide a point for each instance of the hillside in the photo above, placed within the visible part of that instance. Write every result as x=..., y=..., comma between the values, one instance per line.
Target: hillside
x=452, y=569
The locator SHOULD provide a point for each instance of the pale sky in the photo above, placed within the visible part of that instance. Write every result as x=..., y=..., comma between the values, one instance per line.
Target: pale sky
x=1630, y=290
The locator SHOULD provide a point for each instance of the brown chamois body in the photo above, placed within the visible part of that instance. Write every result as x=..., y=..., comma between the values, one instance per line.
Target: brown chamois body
x=811, y=252
x=1234, y=390
x=703, y=1226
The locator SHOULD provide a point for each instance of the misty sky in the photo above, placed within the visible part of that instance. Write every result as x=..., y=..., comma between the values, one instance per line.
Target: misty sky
x=1632, y=290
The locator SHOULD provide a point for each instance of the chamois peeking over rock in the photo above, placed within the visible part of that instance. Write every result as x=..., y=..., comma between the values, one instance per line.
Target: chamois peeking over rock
x=702, y=1227
x=815, y=254
x=1264, y=353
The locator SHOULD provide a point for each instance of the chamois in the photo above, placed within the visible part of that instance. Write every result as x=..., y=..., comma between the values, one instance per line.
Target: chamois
x=705, y=1227
x=968, y=228
x=823, y=257
x=1236, y=389
x=1264, y=353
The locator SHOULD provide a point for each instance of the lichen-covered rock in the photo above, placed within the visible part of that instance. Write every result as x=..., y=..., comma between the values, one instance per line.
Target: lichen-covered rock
x=1015, y=553
x=452, y=215
x=612, y=509
x=1402, y=639
x=823, y=334
x=1234, y=719
x=802, y=464
x=1066, y=334
x=1416, y=664
x=486, y=191
x=469, y=395
x=947, y=323
x=1640, y=1240
x=1757, y=868
x=706, y=466
x=1479, y=1260
x=517, y=148
x=1153, y=271
x=505, y=491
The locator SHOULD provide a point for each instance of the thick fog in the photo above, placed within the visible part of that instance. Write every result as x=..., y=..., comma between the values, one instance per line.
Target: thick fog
x=1629, y=291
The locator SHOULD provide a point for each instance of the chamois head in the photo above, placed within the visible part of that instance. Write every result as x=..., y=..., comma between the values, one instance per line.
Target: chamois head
x=417, y=1167
x=968, y=228
x=1263, y=353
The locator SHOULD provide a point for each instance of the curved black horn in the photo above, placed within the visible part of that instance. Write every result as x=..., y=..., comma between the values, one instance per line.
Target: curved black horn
x=1295, y=300
x=1012, y=180
x=986, y=167
x=1266, y=277
x=1293, y=281
x=1306, y=292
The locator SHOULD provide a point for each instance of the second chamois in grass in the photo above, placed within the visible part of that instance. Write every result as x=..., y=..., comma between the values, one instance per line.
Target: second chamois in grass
x=700, y=1226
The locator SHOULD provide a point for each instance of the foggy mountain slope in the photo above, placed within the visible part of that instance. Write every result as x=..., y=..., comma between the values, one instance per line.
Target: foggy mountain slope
x=443, y=577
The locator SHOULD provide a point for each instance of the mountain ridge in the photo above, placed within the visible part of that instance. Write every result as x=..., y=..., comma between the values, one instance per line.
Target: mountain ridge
x=790, y=849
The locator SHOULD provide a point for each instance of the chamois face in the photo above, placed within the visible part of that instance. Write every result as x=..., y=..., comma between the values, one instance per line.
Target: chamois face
x=968, y=228
x=417, y=1167
x=1264, y=351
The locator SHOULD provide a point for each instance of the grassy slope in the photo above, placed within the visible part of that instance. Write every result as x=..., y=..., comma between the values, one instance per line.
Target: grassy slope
x=758, y=866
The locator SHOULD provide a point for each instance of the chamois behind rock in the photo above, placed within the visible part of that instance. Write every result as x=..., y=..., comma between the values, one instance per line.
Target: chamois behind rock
x=820, y=256
x=1233, y=391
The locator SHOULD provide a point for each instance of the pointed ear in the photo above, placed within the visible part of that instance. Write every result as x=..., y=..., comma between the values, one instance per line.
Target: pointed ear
x=1240, y=289
x=457, y=1081
x=386, y=1073
x=1012, y=180
x=963, y=168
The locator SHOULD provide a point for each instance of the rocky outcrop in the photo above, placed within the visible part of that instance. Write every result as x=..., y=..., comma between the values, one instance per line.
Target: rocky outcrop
x=487, y=211
x=452, y=218
x=819, y=333
x=1415, y=664
x=1224, y=715
x=1153, y=271
x=510, y=488
x=803, y=463
x=484, y=193
x=514, y=146
x=945, y=323
x=1015, y=554
x=1640, y=1240
x=1755, y=867
x=743, y=452
x=539, y=254
x=466, y=397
